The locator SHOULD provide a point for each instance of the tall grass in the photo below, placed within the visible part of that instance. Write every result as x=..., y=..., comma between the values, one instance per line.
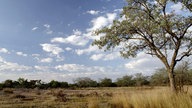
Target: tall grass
x=151, y=99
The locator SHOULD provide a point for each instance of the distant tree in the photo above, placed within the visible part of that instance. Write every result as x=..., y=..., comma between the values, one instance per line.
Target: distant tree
x=141, y=80
x=151, y=26
x=85, y=82
x=8, y=83
x=125, y=81
x=64, y=84
x=106, y=82
x=1, y=85
x=159, y=77
x=182, y=75
x=54, y=84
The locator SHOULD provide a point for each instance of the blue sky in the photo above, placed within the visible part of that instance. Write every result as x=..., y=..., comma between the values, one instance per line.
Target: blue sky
x=51, y=40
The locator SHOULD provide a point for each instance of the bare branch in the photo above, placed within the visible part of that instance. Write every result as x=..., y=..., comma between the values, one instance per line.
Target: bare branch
x=185, y=54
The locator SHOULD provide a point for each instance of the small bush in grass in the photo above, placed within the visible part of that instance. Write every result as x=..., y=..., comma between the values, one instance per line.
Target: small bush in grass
x=19, y=96
x=61, y=96
x=8, y=91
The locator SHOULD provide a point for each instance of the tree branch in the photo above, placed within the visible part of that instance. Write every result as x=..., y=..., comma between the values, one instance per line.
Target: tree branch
x=185, y=54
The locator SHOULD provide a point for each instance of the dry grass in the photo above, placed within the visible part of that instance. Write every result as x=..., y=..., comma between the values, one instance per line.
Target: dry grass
x=127, y=97
x=157, y=98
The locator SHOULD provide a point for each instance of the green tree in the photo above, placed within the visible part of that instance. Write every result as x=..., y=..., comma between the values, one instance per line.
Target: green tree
x=64, y=84
x=140, y=79
x=85, y=82
x=106, y=82
x=125, y=81
x=54, y=84
x=23, y=83
x=149, y=26
x=159, y=77
x=8, y=83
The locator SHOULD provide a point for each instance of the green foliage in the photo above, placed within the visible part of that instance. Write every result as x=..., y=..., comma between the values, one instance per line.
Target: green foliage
x=141, y=80
x=54, y=84
x=64, y=84
x=160, y=77
x=106, y=82
x=8, y=83
x=146, y=26
x=85, y=82
x=150, y=26
x=125, y=81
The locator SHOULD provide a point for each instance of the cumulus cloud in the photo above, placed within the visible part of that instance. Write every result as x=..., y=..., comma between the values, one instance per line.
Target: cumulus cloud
x=93, y=12
x=143, y=64
x=51, y=48
x=34, y=28
x=3, y=50
x=111, y=56
x=88, y=50
x=96, y=57
x=102, y=21
x=21, y=54
x=42, y=68
x=68, y=49
x=9, y=66
x=46, y=60
x=118, y=10
x=47, y=25
x=105, y=57
x=75, y=39
x=70, y=67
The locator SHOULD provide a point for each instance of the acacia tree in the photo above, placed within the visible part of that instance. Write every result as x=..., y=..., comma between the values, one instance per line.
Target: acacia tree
x=150, y=26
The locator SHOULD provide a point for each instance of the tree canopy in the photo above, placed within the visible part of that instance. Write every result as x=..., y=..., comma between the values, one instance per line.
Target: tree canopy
x=153, y=27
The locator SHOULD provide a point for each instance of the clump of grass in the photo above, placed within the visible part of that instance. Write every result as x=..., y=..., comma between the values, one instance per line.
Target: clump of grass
x=93, y=102
x=61, y=96
x=19, y=96
x=151, y=99
x=8, y=91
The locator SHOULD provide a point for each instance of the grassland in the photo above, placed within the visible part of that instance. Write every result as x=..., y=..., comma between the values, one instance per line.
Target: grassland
x=127, y=97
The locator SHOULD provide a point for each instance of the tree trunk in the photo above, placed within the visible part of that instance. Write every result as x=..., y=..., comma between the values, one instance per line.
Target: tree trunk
x=172, y=81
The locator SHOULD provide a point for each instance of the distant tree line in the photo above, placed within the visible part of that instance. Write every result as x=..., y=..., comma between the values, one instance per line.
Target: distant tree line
x=159, y=78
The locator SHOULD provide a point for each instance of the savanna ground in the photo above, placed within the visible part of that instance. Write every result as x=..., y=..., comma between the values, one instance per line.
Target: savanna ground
x=126, y=97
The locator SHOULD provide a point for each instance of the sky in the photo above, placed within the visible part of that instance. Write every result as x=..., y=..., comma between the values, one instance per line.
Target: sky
x=51, y=40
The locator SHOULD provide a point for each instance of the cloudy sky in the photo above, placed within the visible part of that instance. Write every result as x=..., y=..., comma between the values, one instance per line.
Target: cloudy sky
x=51, y=40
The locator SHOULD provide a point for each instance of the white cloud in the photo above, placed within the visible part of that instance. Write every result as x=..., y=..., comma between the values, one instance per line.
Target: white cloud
x=35, y=55
x=77, y=68
x=143, y=64
x=46, y=60
x=93, y=12
x=96, y=57
x=51, y=48
x=118, y=10
x=74, y=39
x=42, y=68
x=21, y=54
x=102, y=21
x=68, y=49
x=9, y=66
x=47, y=25
x=88, y=50
x=177, y=7
x=34, y=28
x=105, y=57
x=111, y=56
x=69, y=67
x=3, y=50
